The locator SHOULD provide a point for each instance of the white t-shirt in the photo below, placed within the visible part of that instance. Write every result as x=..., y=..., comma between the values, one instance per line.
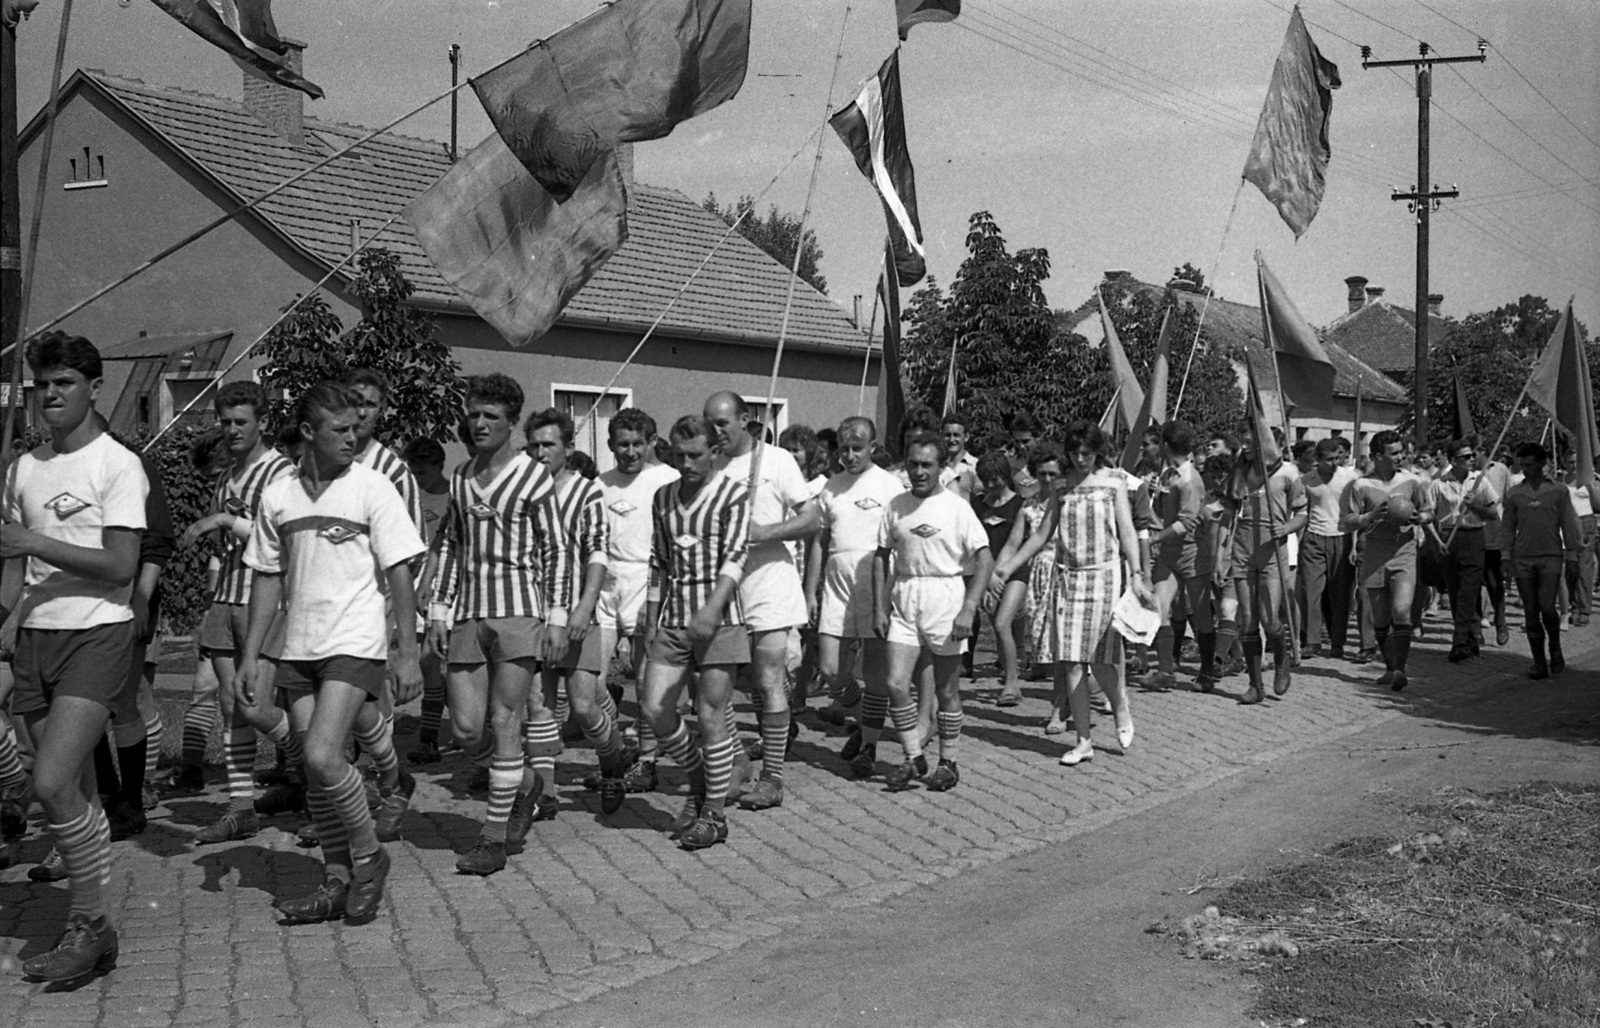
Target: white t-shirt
x=937, y=536
x=853, y=506
x=1322, y=498
x=627, y=502
x=333, y=553
x=70, y=497
x=780, y=492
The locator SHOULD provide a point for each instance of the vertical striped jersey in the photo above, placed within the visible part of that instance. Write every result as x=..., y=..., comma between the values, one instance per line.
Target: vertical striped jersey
x=580, y=504
x=388, y=464
x=697, y=543
x=504, y=552
x=239, y=493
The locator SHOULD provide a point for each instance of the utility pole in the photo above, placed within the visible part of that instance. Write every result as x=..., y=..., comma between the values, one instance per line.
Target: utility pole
x=1424, y=201
x=10, y=223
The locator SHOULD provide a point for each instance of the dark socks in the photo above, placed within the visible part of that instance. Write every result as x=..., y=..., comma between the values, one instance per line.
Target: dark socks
x=1400, y=643
x=1227, y=634
x=1382, y=637
x=1208, y=653
x=105, y=771
x=131, y=760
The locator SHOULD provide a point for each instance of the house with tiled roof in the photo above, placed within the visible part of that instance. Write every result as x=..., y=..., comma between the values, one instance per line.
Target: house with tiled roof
x=137, y=166
x=1236, y=327
x=1381, y=332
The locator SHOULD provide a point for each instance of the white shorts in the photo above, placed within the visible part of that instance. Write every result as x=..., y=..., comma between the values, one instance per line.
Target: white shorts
x=846, y=609
x=771, y=595
x=622, y=596
x=922, y=612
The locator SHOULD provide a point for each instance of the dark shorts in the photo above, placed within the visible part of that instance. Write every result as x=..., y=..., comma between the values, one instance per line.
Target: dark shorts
x=301, y=676
x=126, y=712
x=672, y=647
x=223, y=630
x=89, y=663
x=589, y=654
x=1250, y=561
x=480, y=640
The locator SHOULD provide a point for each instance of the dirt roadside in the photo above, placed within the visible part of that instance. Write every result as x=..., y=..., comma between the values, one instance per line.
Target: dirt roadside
x=1058, y=935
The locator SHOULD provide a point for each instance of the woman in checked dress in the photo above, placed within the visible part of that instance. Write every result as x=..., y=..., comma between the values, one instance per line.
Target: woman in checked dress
x=1090, y=525
x=1030, y=589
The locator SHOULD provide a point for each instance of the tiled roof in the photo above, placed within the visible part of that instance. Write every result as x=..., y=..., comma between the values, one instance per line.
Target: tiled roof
x=739, y=296
x=1231, y=324
x=143, y=346
x=1383, y=334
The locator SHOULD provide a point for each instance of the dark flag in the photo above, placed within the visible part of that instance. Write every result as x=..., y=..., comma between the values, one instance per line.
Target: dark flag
x=1250, y=475
x=243, y=29
x=507, y=247
x=1153, y=411
x=891, y=407
x=873, y=126
x=1560, y=384
x=918, y=12
x=1289, y=155
x=1305, y=372
x=1461, y=417
x=1128, y=394
x=628, y=73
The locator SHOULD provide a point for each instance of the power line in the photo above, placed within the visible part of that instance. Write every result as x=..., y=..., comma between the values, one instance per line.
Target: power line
x=1516, y=125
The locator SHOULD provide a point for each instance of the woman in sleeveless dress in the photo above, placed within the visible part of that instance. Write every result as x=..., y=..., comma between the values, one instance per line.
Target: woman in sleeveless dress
x=1090, y=524
x=1031, y=588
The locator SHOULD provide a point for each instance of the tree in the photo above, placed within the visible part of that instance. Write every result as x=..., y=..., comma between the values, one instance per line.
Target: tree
x=1190, y=273
x=426, y=391
x=776, y=234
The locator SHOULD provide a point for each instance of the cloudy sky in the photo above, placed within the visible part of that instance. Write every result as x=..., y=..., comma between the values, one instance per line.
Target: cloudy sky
x=1110, y=132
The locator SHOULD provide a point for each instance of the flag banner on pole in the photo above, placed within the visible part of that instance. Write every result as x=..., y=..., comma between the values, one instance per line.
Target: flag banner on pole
x=1248, y=476
x=873, y=126
x=507, y=247
x=1289, y=155
x=952, y=394
x=244, y=30
x=1461, y=418
x=891, y=406
x=920, y=12
x=1560, y=384
x=628, y=73
x=1130, y=395
x=1153, y=411
x=1108, y=420
x=1305, y=372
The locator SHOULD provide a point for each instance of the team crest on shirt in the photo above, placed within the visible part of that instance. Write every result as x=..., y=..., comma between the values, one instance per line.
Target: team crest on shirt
x=622, y=508
x=868, y=503
x=687, y=541
x=994, y=519
x=925, y=530
x=337, y=533
x=430, y=516
x=481, y=511
x=65, y=505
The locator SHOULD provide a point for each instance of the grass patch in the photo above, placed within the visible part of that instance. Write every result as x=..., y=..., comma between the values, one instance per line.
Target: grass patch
x=1489, y=914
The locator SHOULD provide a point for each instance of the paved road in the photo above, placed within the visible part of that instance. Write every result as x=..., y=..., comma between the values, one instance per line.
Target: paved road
x=596, y=904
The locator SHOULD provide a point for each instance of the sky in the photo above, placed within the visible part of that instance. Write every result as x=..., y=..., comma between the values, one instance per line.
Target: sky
x=1111, y=133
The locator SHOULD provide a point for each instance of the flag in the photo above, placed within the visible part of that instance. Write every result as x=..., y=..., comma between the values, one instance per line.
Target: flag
x=1461, y=425
x=507, y=247
x=1288, y=158
x=1305, y=373
x=1108, y=420
x=951, y=393
x=873, y=126
x=891, y=407
x=918, y=12
x=243, y=29
x=1248, y=476
x=1129, y=393
x=1560, y=384
x=1153, y=411
x=629, y=72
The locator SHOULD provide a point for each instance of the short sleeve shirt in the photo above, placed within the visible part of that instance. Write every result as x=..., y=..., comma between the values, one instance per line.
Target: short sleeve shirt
x=333, y=553
x=1322, y=498
x=782, y=489
x=70, y=497
x=628, y=519
x=853, y=506
x=937, y=536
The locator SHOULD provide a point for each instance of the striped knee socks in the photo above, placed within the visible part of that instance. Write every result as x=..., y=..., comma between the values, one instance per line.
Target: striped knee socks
x=505, y=778
x=904, y=720
x=541, y=744
x=349, y=798
x=874, y=710
x=85, y=847
x=949, y=733
x=239, y=758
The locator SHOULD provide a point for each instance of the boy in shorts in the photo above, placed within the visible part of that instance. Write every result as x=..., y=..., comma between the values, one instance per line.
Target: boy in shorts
x=922, y=607
x=1268, y=515
x=694, y=622
x=70, y=521
x=332, y=549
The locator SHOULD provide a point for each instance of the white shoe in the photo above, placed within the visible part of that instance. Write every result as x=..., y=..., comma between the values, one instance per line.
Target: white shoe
x=1078, y=754
x=1125, y=736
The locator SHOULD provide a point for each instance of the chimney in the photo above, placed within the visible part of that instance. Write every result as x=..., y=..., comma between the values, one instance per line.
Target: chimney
x=1374, y=294
x=1118, y=274
x=1435, y=301
x=625, y=165
x=1357, y=285
x=280, y=108
x=855, y=308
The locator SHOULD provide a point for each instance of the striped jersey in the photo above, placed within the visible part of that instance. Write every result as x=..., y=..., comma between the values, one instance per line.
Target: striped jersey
x=695, y=545
x=388, y=464
x=580, y=505
x=504, y=551
x=239, y=493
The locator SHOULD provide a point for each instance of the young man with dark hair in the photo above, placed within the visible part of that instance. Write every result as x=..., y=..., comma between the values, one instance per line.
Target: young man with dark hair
x=332, y=549
x=70, y=520
x=1267, y=517
x=1176, y=549
x=1464, y=502
x=628, y=490
x=1326, y=572
x=694, y=622
x=783, y=511
x=959, y=472
x=235, y=502
x=932, y=568
x=499, y=610
x=1539, y=529
x=1376, y=504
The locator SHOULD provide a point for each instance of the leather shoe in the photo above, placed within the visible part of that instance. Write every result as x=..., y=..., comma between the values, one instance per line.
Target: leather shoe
x=88, y=944
x=367, y=879
x=325, y=903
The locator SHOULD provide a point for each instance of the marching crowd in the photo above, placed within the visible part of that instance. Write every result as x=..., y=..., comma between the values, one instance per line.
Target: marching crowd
x=348, y=579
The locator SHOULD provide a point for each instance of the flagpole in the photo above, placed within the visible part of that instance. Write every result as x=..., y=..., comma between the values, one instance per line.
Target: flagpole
x=217, y=379
x=1291, y=608
x=866, y=358
x=14, y=396
x=1205, y=303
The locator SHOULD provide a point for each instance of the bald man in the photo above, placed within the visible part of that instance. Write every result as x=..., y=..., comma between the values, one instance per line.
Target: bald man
x=782, y=511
